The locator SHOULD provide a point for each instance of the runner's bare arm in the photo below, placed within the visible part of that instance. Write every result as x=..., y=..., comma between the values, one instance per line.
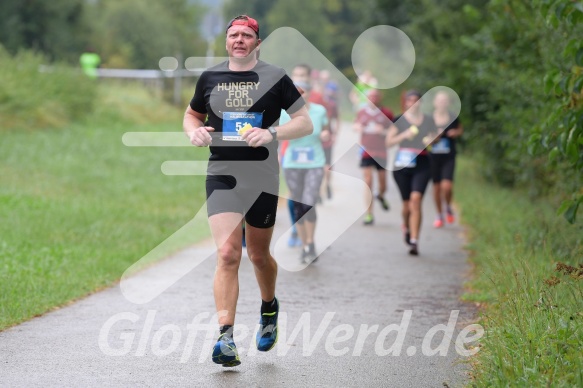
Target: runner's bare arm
x=326, y=133
x=193, y=125
x=300, y=125
x=456, y=132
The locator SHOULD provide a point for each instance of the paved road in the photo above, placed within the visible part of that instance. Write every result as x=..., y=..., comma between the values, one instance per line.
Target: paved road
x=336, y=330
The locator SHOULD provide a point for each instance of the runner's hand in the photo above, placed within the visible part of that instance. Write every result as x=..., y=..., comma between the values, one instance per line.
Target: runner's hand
x=379, y=128
x=200, y=137
x=256, y=137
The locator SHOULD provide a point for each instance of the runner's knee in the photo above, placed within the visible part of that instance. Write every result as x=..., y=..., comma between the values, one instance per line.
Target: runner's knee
x=228, y=256
x=259, y=258
x=415, y=201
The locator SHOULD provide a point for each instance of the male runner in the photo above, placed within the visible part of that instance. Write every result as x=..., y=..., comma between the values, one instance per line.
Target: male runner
x=235, y=110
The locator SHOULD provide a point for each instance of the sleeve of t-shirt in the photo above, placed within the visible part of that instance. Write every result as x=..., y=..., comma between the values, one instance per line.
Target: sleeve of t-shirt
x=291, y=99
x=284, y=118
x=401, y=124
x=198, y=104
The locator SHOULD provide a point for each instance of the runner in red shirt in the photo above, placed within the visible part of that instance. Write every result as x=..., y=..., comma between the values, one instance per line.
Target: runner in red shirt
x=372, y=122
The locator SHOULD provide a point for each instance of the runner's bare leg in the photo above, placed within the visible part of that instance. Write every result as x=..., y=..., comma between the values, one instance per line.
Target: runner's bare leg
x=258, y=240
x=227, y=231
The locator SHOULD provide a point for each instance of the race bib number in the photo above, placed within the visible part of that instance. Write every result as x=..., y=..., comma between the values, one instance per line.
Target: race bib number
x=441, y=147
x=236, y=123
x=406, y=158
x=302, y=154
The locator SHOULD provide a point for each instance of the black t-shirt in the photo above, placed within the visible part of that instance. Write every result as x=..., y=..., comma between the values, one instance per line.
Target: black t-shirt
x=446, y=145
x=427, y=127
x=233, y=99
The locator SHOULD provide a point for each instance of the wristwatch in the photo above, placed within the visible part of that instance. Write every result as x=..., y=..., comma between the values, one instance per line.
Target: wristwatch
x=273, y=132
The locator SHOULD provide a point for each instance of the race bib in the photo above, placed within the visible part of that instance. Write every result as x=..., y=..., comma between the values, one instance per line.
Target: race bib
x=406, y=158
x=302, y=154
x=441, y=147
x=236, y=123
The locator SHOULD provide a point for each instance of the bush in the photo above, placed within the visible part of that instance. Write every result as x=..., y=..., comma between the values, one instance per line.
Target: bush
x=34, y=95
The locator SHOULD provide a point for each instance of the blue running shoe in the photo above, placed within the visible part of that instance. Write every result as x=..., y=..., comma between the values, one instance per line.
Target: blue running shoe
x=267, y=335
x=293, y=240
x=225, y=352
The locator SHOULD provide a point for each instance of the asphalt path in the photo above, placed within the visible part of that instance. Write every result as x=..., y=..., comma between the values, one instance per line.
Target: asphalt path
x=365, y=314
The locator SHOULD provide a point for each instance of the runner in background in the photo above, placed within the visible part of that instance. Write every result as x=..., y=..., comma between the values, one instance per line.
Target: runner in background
x=303, y=167
x=89, y=62
x=372, y=122
x=443, y=154
x=300, y=73
x=413, y=131
x=330, y=93
x=364, y=83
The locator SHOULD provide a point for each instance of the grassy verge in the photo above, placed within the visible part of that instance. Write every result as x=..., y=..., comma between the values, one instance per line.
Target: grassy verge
x=529, y=280
x=78, y=207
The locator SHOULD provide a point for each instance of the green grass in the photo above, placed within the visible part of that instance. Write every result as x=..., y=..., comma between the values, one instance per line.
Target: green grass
x=532, y=314
x=78, y=207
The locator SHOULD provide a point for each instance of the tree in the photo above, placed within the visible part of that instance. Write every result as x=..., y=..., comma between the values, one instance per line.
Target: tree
x=55, y=28
x=136, y=34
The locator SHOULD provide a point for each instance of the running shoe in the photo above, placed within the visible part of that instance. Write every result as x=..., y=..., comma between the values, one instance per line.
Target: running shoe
x=266, y=337
x=225, y=352
x=438, y=223
x=294, y=241
x=384, y=203
x=311, y=256
x=450, y=218
x=413, y=249
x=369, y=219
x=406, y=235
x=304, y=254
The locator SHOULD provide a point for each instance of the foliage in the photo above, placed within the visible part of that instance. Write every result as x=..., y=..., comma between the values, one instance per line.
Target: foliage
x=562, y=132
x=55, y=28
x=128, y=34
x=530, y=276
x=332, y=26
x=136, y=34
x=31, y=99
x=514, y=65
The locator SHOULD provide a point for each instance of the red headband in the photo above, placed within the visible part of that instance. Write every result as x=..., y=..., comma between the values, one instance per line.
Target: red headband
x=244, y=20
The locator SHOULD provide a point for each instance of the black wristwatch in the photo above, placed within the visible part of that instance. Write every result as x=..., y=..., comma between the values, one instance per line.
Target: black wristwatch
x=273, y=132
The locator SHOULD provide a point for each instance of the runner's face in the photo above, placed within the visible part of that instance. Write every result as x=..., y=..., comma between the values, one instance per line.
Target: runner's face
x=375, y=97
x=441, y=101
x=241, y=41
x=300, y=74
x=410, y=102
